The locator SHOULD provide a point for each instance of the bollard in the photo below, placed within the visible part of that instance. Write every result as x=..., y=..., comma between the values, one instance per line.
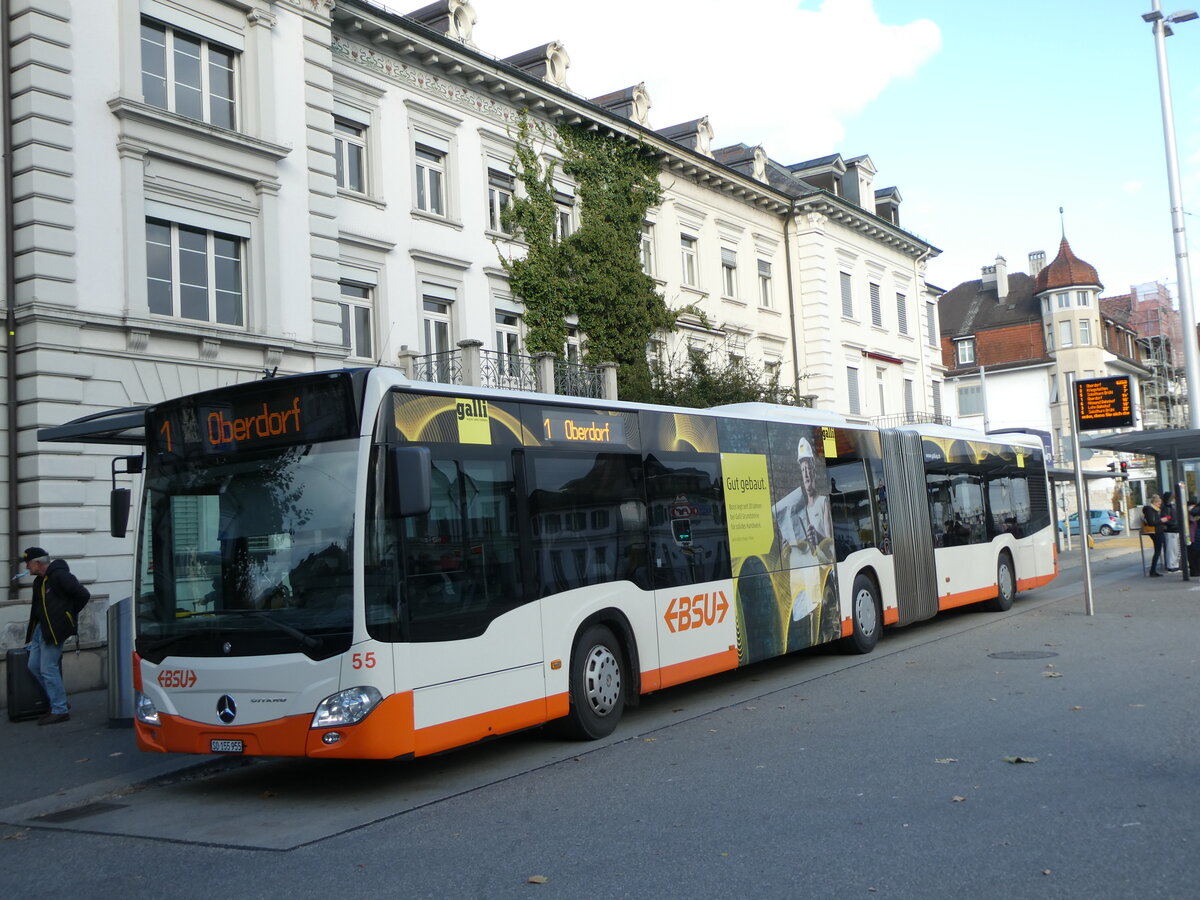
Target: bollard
x=120, y=663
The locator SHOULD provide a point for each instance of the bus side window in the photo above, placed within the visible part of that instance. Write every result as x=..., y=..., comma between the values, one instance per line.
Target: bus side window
x=850, y=499
x=688, y=538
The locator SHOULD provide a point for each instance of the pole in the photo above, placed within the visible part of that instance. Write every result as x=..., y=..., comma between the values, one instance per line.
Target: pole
x=1082, y=504
x=1191, y=355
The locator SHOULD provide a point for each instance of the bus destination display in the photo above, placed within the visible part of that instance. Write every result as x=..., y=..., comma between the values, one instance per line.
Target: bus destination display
x=582, y=427
x=257, y=416
x=1104, y=403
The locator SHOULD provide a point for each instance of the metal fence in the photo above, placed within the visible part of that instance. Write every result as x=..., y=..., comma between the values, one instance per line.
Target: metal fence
x=913, y=418
x=508, y=371
x=445, y=367
x=574, y=380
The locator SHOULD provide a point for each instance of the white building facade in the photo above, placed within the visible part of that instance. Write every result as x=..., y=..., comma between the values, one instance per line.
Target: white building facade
x=202, y=190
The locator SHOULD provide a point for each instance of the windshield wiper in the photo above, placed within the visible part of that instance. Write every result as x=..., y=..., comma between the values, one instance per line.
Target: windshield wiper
x=307, y=640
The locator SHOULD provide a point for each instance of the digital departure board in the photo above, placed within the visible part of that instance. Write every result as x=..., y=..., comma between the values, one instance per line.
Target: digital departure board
x=273, y=413
x=1104, y=403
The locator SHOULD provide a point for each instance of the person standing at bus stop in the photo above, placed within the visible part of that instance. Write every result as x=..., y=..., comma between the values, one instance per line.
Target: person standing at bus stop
x=58, y=598
x=1153, y=523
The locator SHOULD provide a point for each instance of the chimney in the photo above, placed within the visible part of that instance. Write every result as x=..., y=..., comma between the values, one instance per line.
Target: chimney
x=1037, y=262
x=1001, y=278
x=988, y=276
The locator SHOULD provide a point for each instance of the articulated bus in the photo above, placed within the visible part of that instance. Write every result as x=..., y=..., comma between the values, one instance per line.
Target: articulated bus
x=351, y=564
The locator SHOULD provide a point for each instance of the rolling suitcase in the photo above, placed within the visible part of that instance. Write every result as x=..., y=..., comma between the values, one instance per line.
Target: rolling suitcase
x=26, y=699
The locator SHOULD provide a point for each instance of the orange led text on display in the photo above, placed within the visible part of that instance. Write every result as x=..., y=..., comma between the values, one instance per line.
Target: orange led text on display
x=268, y=423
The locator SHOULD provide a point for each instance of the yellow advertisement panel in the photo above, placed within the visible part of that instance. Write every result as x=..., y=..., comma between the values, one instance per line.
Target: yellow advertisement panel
x=474, y=426
x=747, y=504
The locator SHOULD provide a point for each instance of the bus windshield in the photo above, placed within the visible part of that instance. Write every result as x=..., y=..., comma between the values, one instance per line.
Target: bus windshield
x=249, y=554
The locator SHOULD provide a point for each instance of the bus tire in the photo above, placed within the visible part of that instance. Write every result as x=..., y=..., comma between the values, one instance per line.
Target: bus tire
x=1006, y=585
x=597, y=689
x=866, y=616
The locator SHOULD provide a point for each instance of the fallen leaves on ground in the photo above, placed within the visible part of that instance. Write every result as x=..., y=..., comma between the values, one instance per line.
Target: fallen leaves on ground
x=1020, y=759
x=15, y=836
x=1052, y=674
x=958, y=799
x=946, y=760
x=537, y=879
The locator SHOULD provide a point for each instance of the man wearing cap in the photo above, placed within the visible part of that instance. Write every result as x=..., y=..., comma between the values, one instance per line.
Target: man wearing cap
x=58, y=598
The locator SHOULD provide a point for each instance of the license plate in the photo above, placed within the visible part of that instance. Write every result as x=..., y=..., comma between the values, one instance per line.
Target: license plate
x=227, y=746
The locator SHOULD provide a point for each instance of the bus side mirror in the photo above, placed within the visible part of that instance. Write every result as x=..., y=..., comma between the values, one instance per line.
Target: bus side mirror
x=118, y=512
x=409, y=476
x=119, y=498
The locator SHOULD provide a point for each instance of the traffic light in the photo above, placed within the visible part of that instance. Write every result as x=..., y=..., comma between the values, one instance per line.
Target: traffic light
x=1124, y=467
x=1112, y=467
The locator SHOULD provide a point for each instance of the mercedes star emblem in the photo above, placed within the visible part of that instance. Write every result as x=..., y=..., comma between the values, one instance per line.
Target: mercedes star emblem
x=226, y=709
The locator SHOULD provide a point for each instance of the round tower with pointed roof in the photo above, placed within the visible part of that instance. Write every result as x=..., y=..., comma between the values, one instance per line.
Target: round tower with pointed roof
x=1069, y=292
x=1067, y=271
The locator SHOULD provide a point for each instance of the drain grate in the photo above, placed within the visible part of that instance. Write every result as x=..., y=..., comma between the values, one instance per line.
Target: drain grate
x=1022, y=654
x=80, y=812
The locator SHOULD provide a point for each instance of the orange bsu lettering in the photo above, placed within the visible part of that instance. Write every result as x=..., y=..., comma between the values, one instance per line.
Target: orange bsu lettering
x=266, y=424
x=177, y=678
x=684, y=613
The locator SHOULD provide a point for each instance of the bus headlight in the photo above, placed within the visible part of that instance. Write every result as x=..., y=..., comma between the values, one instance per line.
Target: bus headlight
x=144, y=709
x=346, y=707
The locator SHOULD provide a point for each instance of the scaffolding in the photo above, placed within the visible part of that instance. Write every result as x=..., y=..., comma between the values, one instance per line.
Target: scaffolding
x=1148, y=310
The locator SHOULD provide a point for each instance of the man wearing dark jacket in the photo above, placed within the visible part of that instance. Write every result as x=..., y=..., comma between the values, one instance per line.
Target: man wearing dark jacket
x=58, y=598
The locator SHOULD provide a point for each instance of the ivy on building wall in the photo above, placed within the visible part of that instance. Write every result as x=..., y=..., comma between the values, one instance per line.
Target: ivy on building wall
x=595, y=273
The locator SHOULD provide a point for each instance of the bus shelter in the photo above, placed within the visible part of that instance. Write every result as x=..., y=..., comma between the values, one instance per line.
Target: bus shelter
x=1177, y=464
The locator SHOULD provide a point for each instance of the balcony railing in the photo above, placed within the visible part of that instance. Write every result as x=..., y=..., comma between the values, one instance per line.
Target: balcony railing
x=472, y=365
x=912, y=418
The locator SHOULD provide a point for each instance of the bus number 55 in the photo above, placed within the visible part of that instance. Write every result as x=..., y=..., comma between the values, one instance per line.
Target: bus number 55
x=359, y=661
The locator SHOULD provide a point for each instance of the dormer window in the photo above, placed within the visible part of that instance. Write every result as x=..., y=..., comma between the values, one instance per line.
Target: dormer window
x=1083, y=298
x=965, y=351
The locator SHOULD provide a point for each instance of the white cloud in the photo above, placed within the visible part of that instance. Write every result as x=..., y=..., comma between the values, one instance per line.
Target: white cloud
x=764, y=71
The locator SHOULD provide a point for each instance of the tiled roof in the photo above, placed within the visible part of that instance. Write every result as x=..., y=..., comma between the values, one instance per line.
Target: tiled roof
x=973, y=306
x=1067, y=270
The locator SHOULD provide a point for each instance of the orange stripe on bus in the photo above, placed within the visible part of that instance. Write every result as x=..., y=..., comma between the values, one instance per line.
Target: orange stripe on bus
x=949, y=601
x=1028, y=584
x=435, y=738
x=692, y=668
x=847, y=627
x=891, y=616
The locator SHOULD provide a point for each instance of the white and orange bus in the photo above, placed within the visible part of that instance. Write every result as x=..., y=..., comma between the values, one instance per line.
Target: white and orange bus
x=350, y=564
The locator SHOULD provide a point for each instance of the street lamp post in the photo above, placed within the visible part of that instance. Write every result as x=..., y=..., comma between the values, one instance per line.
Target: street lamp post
x=1191, y=356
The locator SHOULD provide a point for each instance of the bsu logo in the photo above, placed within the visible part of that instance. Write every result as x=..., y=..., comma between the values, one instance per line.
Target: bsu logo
x=685, y=613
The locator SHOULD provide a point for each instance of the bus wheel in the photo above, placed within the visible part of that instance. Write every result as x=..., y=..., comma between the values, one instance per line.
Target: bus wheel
x=865, y=615
x=1006, y=586
x=597, y=685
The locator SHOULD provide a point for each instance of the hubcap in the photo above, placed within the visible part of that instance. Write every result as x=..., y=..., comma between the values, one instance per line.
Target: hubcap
x=601, y=680
x=1006, y=581
x=865, y=612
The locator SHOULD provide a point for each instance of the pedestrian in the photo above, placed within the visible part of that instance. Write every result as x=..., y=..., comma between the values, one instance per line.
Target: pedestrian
x=1153, y=526
x=58, y=598
x=1171, y=538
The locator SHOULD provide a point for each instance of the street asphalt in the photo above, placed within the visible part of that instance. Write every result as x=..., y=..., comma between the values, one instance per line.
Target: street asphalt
x=1039, y=752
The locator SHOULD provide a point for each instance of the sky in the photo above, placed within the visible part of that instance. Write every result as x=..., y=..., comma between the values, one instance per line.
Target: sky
x=987, y=116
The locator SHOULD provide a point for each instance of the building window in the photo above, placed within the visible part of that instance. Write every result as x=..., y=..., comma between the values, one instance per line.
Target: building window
x=431, y=179
x=852, y=391
x=687, y=253
x=501, y=186
x=1083, y=298
x=1064, y=300
x=648, y=248
x=728, y=272
x=564, y=207
x=356, y=319
x=847, y=296
x=508, y=342
x=880, y=376
x=1066, y=337
x=436, y=332
x=902, y=313
x=187, y=74
x=1085, y=332
x=194, y=274
x=876, y=306
x=909, y=401
x=937, y=398
x=572, y=348
x=349, y=155
x=766, y=297
x=1049, y=336
x=970, y=400
x=931, y=334
x=965, y=351
x=1045, y=306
